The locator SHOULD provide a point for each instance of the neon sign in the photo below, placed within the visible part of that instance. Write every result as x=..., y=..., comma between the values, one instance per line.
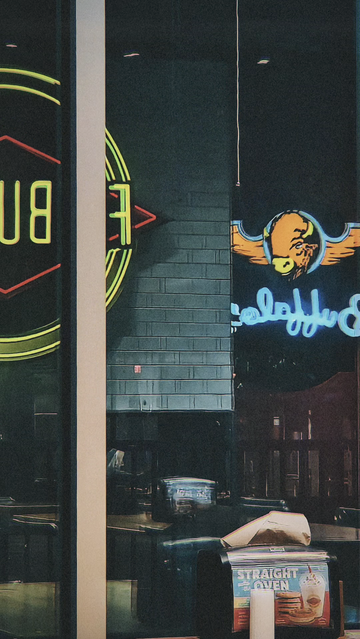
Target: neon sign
x=35, y=213
x=29, y=206
x=294, y=244
x=347, y=319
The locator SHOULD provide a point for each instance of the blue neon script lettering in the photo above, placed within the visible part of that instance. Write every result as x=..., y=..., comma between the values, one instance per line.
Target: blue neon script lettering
x=348, y=319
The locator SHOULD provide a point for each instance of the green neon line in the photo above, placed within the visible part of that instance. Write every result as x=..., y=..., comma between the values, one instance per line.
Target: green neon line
x=31, y=74
x=110, y=169
x=118, y=269
x=26, y=354
x=5, y=340
x=113, y=294
x=120, y=278
x=126, y=266
x=116, y=160
x=109, y=173
x=119, y=155
x=109, y=267
x=110, y=290
x=108, y=256
x=123, y=231
x=16, y=87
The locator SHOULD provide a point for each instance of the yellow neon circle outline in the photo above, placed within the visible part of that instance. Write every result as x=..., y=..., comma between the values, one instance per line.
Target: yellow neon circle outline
x=31, y=74
x=23, y=338
x=117, y=260
x=113, y=292
x=45, y=340
x=16, y=87
x=30, y=354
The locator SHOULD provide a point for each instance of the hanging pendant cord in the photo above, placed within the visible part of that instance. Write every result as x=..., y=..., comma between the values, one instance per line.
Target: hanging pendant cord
x=237, y=95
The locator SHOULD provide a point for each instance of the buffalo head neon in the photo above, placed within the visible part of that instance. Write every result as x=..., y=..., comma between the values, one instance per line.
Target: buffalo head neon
x=294, y=244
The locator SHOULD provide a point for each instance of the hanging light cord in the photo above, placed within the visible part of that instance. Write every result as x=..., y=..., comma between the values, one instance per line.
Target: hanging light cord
x=237, y=94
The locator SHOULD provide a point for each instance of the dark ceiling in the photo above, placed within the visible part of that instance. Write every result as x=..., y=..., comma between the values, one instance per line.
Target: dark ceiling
x=187, y=29
x=206, y=29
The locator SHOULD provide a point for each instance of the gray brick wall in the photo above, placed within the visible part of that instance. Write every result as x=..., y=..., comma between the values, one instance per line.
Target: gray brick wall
x=173, y=318
x=180, y=333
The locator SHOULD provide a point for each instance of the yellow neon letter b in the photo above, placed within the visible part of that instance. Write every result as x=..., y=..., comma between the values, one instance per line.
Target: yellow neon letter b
x=37, y=212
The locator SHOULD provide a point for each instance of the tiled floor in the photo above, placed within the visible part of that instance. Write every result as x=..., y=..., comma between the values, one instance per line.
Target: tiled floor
x=31, y=609
x=350, y=634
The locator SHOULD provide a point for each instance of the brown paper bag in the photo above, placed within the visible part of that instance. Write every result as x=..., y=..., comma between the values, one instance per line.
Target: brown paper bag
x=274, y=529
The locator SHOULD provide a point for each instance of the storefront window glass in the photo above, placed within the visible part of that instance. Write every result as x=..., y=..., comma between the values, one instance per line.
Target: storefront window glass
x=232, y=323
x=293, y=312
x=32, y=200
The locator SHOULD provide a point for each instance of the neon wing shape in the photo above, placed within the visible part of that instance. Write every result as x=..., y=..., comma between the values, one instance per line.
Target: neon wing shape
x=250, y=247
x=343, y=246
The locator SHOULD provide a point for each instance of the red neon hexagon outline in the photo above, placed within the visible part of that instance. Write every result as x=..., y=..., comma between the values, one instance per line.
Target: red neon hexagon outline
x=48, y=158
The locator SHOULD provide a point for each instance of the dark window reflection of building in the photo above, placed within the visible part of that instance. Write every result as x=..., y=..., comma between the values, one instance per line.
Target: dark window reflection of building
x=168, y=480
x=313, y=473
x=348, y=472
x=273, y=487
x=251, y=474
x=300, y=445
x=292, y=471
x=163, y=445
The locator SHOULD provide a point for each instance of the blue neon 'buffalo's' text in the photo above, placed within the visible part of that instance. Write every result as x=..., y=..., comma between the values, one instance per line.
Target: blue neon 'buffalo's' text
x=347, y=319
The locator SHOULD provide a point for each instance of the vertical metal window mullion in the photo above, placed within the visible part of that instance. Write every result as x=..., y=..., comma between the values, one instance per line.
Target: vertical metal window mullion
x=91, y=322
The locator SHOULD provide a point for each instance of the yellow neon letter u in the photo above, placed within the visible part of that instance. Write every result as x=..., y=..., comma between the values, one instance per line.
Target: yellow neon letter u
x=16, y=237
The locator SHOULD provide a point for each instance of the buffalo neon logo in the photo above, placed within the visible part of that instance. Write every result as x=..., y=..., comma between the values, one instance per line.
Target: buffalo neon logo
x=30, y=207
x=294, y=244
